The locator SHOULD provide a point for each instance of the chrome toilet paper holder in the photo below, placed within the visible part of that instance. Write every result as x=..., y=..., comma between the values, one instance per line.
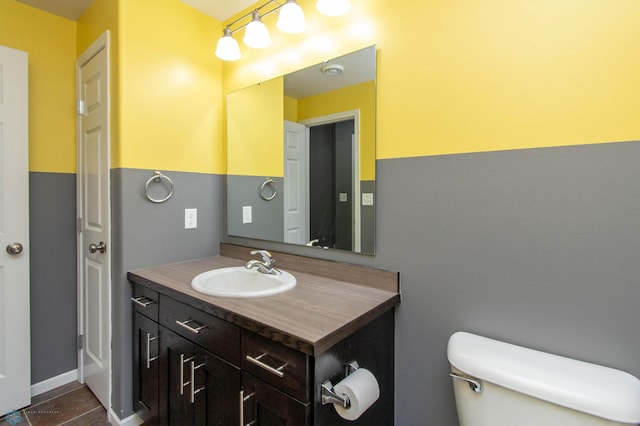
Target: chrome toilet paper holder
x=330, y=396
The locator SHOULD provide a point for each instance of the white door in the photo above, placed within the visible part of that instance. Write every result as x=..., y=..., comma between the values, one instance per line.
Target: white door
x=94, y=242
x=15, y=349
x=295, y=183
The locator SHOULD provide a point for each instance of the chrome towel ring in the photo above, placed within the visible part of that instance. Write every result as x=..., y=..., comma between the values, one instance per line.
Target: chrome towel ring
x=158, y=177
x=268, y=189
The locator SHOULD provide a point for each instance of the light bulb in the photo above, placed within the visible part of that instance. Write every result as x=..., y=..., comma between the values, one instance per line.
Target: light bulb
x=256, y=34
x=291, y=18
x=333, y=7
x=228, y=48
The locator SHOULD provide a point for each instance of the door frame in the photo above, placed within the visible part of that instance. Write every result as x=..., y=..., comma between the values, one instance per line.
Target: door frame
x=100, y=44
x=354, y=115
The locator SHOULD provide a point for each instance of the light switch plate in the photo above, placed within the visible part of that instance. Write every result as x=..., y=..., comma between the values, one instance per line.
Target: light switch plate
x=190, y=218
x=247, y=214
x=367, y=198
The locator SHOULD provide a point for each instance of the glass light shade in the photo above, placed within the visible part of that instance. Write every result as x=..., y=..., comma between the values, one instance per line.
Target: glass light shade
x=256, y=34
x=291, y=18
x=333, y=7
x=228, y=48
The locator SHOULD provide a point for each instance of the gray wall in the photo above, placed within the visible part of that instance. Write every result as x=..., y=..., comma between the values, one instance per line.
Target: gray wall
x=268, y=216
x=536, y=247
x=146, y=234
x=52, y=228
x=368, y=219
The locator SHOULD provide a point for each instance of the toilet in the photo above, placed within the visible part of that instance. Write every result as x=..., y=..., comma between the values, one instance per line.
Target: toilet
x=500, y=384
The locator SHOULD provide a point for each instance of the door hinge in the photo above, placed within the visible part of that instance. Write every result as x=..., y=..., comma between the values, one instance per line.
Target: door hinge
x=81, y=107
x=80, y=341
x=79, y=225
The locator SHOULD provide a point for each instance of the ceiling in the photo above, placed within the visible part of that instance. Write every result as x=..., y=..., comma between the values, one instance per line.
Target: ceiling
x=73, y=9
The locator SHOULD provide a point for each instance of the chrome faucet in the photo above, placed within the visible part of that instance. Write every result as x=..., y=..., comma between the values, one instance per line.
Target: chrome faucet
x=266, y=265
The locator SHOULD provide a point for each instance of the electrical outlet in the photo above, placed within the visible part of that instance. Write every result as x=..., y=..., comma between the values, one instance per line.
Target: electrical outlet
x=247, y=214
x=190, y=218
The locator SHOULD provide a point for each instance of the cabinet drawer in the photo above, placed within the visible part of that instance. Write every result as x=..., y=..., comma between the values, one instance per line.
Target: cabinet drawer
x=145, y=301
x=276, y=364
x=263, y=404
x=213, y=334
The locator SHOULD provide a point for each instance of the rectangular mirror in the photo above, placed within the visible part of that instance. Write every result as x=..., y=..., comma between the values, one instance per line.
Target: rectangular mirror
x=301, y=156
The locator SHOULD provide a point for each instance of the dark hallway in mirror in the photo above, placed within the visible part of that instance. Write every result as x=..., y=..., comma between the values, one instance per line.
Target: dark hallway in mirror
x=331, y=184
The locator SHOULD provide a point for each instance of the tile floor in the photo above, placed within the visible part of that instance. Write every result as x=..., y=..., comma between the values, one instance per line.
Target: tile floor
x=71, y=405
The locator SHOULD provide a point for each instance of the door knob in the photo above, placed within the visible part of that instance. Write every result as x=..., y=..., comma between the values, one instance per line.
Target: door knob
x=14, y=248
x=100, y=247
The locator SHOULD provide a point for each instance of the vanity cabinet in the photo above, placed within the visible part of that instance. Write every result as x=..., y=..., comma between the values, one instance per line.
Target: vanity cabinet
x=200, y=360
x=265, y=405
x=275, y=382
x=179, y=380
x=196, y=387
x=146, y=392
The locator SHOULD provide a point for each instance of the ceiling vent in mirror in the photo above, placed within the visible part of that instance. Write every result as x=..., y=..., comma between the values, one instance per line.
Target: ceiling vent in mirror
x=332, y=69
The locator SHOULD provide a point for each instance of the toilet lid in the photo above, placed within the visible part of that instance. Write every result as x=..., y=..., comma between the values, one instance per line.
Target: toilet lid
x=594, y=389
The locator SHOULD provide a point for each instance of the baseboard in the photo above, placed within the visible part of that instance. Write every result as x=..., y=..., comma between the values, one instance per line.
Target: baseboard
x=54, y=382
x=132, y=420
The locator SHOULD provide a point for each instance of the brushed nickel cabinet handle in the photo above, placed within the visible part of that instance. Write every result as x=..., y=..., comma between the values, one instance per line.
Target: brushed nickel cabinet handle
x=185, y=324
x=149, y=359
x=194, y=391
x=273, y=370
x=243, y=399
x=139, y=301
x=183, y=361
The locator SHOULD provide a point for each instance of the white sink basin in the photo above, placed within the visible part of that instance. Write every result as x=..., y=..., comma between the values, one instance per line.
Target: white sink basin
x=239, y=281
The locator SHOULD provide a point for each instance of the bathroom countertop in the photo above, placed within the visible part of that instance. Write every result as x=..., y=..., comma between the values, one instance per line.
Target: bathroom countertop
x=319, y=312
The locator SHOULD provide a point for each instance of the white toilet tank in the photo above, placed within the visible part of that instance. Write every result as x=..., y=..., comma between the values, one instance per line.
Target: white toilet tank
x=525, y=387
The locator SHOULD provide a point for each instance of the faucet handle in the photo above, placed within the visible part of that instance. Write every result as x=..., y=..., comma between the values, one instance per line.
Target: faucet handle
x=266, y=256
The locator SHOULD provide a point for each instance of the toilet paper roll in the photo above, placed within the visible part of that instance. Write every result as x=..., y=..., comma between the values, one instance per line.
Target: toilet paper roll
x=362, y=389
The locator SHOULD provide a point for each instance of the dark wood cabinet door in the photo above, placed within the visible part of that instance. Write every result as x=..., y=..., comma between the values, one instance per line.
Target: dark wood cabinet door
x=145, y=369
x=217, y=387
x=176, y=354
x=264, y=405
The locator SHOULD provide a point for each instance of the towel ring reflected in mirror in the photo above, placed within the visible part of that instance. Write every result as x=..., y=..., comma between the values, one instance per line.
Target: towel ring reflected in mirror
x=158, y=177
x=268, y=189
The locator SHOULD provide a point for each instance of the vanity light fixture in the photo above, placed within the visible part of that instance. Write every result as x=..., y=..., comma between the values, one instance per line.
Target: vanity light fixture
x=256, y=34
x=291, y=21
x=291, y=18
x=228, y=48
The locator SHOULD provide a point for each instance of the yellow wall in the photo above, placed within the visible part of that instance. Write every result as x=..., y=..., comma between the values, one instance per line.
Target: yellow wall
x=452, y=77
x=255, y=129
x=471, y=76
x=50, y=42
x=290, y=109
x=360, y=96
x=102, y=15
x=170, y=88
